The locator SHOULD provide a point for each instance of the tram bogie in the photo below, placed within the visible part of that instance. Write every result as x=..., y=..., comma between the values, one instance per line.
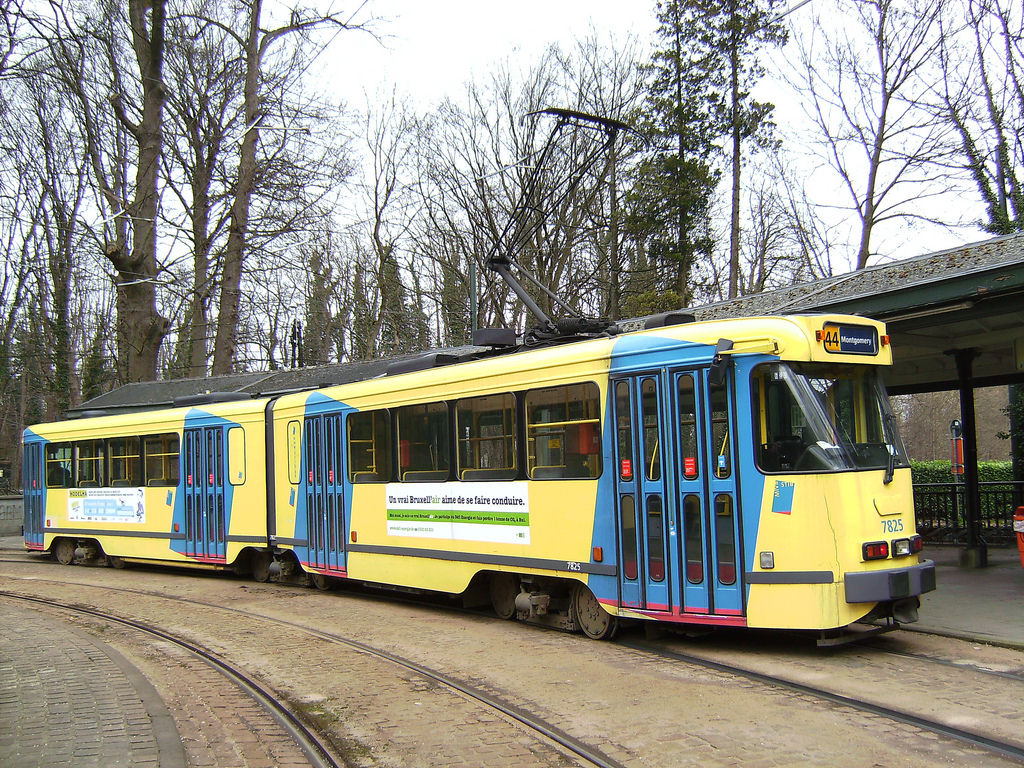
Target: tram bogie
x=741, y=473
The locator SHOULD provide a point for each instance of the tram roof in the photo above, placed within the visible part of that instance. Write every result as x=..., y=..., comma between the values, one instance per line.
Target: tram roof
x=971, y=296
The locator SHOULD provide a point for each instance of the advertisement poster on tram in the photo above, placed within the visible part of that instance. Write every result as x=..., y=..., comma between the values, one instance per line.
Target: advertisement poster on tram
x=492, y=512
x=107, y=505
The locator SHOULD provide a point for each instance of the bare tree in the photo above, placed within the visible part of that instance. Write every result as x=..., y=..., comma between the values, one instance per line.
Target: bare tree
x=865, y=83
x=119, y=95
x=206, y=86
x=254, y=44
x=982, y=96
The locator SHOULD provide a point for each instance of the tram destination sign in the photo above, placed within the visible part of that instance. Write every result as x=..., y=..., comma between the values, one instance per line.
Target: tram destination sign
x=849, y=339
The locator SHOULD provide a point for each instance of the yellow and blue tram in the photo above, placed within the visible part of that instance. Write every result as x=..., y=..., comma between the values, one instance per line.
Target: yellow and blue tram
x=742, y=472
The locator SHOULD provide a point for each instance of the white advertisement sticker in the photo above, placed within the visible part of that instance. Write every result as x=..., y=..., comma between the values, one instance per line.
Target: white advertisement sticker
x=107, y=505
x=490, y=512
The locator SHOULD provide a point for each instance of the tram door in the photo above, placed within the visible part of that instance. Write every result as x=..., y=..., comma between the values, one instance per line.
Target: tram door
x=324, y=492
x=641, y=492
x=205, y=513
x=34, y=494
x=709, y=522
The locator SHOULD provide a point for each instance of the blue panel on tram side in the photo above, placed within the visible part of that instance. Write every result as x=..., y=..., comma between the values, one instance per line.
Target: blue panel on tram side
x=317, y=404
x=633, y=352
x=197, y=419
x=751, y=479
x=606, y=588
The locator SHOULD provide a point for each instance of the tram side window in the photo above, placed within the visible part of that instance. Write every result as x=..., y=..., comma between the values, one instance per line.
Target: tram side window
x=423, y=443
x=58, y=465
x=90, y=462
x=162, y=459
x=125, y=462
x=563, y=430
x=369, y=447
x=486, y=428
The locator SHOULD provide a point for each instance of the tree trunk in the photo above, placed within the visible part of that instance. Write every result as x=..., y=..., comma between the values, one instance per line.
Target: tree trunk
x=199, y=321
x=141, y=328
x=226, y=342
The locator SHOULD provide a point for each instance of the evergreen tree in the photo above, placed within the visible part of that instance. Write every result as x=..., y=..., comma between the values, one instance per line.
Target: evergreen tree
x=733, y=33
x=671, y=196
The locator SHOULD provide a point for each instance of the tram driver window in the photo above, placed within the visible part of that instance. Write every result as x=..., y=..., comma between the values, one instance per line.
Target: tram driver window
x=58, y=465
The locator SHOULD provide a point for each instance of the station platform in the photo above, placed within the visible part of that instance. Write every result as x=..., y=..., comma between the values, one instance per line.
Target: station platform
x=68, y=699
x=984, y=605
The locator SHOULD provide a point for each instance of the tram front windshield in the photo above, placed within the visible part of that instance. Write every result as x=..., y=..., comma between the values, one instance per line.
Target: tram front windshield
x=821, y=417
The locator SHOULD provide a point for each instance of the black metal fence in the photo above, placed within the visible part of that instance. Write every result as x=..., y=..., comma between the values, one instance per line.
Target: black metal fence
x=941, y=511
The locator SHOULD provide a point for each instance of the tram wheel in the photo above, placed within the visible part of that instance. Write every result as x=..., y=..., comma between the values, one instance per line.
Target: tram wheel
x=260, y=564
x=504, y=587
x=64, y=551
x=117, y=562
x=595, y=622
x=321, y=582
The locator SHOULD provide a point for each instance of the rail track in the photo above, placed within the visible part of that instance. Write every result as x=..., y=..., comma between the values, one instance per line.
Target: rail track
x=585, y=752
x=1007, y=749
x=595, y=757
x=312, y=746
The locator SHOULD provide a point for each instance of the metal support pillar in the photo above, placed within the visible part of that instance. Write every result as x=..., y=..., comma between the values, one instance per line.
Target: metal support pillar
x=1015, y=398
x=975, y=554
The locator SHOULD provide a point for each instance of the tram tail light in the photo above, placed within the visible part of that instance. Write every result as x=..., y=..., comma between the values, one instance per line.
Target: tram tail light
x=901, y=547
x=875, y=550
x=916, y=544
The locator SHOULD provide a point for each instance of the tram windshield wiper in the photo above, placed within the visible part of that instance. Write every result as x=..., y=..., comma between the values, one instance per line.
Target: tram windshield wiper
x=889, y=425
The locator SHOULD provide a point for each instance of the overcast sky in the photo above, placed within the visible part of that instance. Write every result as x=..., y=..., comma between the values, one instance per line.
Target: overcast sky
x=430, y=48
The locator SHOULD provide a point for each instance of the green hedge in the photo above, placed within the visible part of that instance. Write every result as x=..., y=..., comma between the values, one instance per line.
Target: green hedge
x=939, y=471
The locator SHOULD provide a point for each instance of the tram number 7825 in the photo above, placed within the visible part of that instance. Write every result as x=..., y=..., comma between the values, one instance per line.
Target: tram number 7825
x=892, y=526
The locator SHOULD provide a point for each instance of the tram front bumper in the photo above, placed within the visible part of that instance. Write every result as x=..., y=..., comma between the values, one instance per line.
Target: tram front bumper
x=890, y=584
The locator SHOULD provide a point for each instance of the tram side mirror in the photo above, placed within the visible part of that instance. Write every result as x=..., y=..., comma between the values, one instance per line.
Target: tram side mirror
x=720, y=362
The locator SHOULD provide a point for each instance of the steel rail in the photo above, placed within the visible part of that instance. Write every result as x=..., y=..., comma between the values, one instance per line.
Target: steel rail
x=1014, y=751
x=575, y=746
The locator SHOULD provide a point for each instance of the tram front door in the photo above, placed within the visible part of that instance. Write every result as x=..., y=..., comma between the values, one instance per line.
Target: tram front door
x=676, y=487
x=708, y=516
x=641, y=492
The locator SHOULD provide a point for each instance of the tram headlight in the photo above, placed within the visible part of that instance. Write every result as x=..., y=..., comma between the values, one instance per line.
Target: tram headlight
x=875, y=550
x=901, y=547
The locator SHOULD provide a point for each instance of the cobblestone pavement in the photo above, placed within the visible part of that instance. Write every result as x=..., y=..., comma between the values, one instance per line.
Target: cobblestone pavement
x=68, y=699
x=638, y=709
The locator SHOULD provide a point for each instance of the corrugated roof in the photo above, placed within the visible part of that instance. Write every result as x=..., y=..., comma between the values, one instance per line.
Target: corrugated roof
x=872, y=281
